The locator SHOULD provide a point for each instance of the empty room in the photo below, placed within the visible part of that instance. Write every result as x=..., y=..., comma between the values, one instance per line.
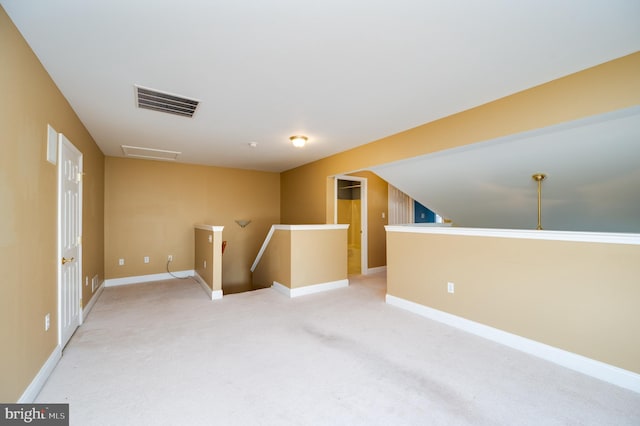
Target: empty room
x=291, y=212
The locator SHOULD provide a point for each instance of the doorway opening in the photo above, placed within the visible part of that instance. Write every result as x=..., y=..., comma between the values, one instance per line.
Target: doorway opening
x=351, y=209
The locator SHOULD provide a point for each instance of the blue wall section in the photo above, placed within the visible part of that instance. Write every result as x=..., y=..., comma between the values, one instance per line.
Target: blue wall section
x=423, y=214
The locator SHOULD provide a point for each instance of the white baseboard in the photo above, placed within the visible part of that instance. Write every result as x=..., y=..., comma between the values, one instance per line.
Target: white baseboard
x=147, y=278
x=37, y=383
x=214, y=295
x=376, y=270
x=606, y=372
x=281, y=288
x=203, y=284
x=92, y=302
x=309, y=289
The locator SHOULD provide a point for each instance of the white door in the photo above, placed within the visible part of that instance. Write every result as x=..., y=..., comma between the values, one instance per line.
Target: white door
x=69, y=238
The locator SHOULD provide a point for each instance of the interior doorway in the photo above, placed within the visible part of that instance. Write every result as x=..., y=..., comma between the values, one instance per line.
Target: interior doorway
x=351, y=209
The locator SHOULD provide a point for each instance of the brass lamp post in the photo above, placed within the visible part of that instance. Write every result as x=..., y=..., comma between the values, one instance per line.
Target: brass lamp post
x=539, y=177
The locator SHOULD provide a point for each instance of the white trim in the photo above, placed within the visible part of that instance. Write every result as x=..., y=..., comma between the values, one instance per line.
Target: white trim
x=281, y=288
x=599, y=370
x=263, y=248
x=591, y=237
x=92, y=302
x=147, y=278
x=214, y=295
x=309, y=289
x=377, y=269
x=323, y=227
x=34, y=388
x=273, y=228
x=209, y=227
x=52, y=145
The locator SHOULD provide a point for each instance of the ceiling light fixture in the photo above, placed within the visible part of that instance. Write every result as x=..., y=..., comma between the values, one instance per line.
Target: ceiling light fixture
x=298, y=141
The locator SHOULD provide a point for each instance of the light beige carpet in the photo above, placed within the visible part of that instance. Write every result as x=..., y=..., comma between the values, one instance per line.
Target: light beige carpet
x=163, y=354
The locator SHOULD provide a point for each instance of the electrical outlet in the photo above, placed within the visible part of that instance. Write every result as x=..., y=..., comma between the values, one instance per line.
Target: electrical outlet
x=451, y=287
x=170, y=258
x=146, y=259
x=47, y=322
x=120, y=262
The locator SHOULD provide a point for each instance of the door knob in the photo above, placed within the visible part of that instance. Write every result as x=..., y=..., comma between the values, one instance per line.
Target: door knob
x=65, y=260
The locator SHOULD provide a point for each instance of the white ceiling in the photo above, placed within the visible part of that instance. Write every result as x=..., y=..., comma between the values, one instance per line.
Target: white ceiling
x=592, y=167
x=344, y=73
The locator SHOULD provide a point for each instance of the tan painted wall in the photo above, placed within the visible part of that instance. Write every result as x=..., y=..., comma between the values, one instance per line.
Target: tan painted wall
x=204, y=253
x=28, y=210
x=152, y=206
x=580, y=297
x=275, y=264
x=216, y=272
x=318, y=257
x=298, y=258
x=604, y=88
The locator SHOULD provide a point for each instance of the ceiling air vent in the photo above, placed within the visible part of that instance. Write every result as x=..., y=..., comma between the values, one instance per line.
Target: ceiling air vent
x=149, y=153
x=165, y=102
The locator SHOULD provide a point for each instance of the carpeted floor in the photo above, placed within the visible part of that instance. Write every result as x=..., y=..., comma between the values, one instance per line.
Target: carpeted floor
x=163, y=354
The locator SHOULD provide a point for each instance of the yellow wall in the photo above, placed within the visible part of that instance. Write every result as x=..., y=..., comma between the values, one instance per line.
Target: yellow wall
x=203, y=255
x=577, y=296
x=28, y=210
x=152, y=206
x=604, y=88
x=318, y=257
x=349, y=213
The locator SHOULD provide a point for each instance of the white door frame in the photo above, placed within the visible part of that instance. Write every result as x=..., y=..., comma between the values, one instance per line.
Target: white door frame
x=364, y=231
x=64, y=143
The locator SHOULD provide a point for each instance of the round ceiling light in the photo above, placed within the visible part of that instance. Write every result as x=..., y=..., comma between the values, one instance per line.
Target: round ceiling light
x=298, y=141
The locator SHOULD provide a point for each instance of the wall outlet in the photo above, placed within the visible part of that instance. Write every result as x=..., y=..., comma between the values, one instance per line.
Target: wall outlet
x=146, y=259
x=120, y=262
x=451, y=287
x=170, y=258
x=47, y=322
